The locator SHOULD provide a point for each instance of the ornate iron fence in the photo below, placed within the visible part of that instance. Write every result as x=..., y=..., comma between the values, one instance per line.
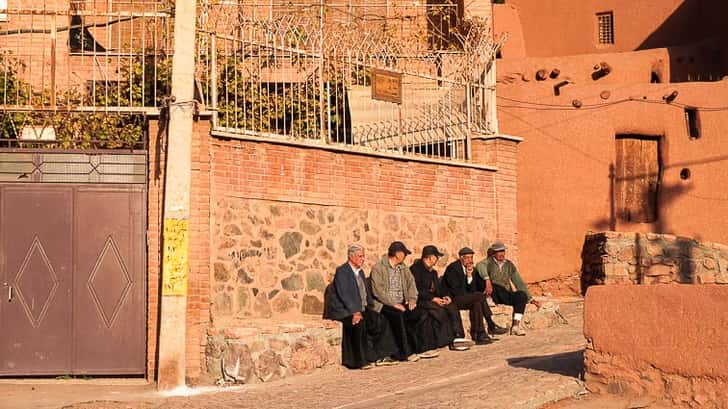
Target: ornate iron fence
x=394, y=77
x=398, y=77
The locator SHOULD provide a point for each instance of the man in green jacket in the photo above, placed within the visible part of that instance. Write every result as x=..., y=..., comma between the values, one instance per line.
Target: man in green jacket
x=499, y=273
x=395, y=297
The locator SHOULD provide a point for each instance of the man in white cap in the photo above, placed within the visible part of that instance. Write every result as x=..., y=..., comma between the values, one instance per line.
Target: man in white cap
x=499, y=274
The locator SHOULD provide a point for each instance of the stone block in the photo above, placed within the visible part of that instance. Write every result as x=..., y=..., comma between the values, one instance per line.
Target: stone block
x=668, y=349
x=659, y=270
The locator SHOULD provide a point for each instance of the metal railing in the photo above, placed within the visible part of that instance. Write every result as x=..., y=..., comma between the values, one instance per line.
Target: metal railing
x=315, y=73
x=402, y=78
x=82, y=73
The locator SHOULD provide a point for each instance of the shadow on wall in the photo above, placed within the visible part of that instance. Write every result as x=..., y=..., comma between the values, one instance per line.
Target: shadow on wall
x=566, y=363
x=694, y=22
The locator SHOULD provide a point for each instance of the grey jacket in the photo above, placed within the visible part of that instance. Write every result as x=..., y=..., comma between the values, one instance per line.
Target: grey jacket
x=380, y=283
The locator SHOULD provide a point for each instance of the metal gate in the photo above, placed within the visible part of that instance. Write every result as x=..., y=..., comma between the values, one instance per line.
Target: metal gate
x=72, y=259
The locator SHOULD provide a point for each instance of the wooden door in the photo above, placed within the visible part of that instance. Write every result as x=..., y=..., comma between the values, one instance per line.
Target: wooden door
x=637, y=178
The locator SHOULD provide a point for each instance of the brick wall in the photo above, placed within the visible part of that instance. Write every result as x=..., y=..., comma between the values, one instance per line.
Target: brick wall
x=282, y=217
x=269, y=223
x=502, y=152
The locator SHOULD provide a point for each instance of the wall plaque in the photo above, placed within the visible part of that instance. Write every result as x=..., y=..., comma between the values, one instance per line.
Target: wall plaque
x=386, y=85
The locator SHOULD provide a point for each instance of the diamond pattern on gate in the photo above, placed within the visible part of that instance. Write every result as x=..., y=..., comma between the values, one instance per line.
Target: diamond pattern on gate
x=37, y=294
x=108, y=267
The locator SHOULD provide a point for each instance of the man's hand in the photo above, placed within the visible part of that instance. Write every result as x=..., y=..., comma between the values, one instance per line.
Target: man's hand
x=438, y=301
x=411, y=305
x=488, y=288
x=399, y=307
x=447, y=300
x=357, y=318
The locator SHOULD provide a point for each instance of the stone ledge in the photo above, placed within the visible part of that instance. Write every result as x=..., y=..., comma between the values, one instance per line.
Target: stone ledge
x=262, y=351
x=648, y=258
x=534, y=319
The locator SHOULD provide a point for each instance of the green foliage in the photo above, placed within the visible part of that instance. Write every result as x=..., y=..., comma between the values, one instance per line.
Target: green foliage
x=142, y=83
x=291, y=108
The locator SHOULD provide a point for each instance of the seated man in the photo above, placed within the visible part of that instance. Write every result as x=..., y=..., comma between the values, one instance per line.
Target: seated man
x=499, y=273
x=395, y=296
x=366, y=336
x=447, y=327
x=460, y=284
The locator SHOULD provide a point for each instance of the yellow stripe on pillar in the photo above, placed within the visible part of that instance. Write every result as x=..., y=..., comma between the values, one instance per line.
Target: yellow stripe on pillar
x=176, y=266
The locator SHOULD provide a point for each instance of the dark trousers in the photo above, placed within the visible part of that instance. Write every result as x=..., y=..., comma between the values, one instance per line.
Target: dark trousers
x=404, y=325
x=517, y=299
x=448, y=315
x=475, y=302
x=368, y=341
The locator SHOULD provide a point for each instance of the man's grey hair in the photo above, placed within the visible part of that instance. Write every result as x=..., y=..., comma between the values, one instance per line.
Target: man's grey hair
x=353, y=248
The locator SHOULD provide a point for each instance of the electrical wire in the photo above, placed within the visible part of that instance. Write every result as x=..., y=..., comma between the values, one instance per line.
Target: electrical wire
x=559, y=107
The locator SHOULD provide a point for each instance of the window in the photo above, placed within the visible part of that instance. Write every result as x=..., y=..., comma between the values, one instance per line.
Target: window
x=606, y=27
x=692, y=120
x=3, y=6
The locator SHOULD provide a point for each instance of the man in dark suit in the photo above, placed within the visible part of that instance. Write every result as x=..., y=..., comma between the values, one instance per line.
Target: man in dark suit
x=366, y=336
x=464, y=289
x=446, y=327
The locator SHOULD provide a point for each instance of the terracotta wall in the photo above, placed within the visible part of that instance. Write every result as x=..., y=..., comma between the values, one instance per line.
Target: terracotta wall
x=566, y=27
x=662, y=343
x=564, y=162
x=282, y=217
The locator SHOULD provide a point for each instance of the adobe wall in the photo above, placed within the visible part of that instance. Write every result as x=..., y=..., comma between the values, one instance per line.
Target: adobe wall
x=564, y=183
x=634, y=258
x=282, y=217
x=563, y=27
x=663, y=342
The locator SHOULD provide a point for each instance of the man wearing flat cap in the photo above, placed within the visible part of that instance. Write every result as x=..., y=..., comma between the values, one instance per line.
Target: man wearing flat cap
x=395, y=296
x=462, y=286
x=446, y=326
x=501, y=275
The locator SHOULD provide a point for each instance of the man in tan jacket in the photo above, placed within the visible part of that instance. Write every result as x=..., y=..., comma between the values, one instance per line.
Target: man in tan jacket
x=395, y=297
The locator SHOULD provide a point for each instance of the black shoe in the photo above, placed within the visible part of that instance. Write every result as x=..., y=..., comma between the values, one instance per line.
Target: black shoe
x=484, y=341
x=496, y=330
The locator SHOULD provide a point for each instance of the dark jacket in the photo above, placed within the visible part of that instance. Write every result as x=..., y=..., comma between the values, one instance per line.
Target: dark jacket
x=454, y=282
x=428, y=284
x=342, y=298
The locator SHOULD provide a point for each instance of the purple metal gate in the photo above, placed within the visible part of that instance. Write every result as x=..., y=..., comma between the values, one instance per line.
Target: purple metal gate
x=73, y=275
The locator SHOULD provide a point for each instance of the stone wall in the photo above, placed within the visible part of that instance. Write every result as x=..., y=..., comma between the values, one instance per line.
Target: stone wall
x=662, y=342
x=274, y=259
x=649, y=258
x=282, y=216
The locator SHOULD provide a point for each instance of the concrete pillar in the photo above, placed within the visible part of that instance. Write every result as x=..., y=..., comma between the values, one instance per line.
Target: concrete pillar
x=176, y=229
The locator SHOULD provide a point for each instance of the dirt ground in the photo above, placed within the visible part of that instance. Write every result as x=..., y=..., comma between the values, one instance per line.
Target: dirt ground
x=515, y=372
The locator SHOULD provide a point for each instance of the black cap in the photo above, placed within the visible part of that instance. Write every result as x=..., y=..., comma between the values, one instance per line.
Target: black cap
x=465, y=250
x=398, y=246
x=431, y=250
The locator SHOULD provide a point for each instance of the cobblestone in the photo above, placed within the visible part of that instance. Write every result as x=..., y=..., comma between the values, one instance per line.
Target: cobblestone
x=514, y=372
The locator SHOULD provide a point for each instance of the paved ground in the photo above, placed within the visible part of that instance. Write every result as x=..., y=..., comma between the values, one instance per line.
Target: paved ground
x=515, y=372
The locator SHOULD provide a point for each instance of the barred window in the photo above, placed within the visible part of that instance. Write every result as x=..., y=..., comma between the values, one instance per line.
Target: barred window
x=606, y=27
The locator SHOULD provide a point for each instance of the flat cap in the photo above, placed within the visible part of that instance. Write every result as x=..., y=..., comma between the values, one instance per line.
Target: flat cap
x=465, y=250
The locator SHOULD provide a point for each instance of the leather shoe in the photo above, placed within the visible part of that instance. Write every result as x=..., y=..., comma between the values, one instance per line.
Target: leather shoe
x=483, y=340
x=496, y=330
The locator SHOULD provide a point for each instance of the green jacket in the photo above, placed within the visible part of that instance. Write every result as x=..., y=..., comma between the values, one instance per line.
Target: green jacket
x=380, y=283
x=488, y=269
